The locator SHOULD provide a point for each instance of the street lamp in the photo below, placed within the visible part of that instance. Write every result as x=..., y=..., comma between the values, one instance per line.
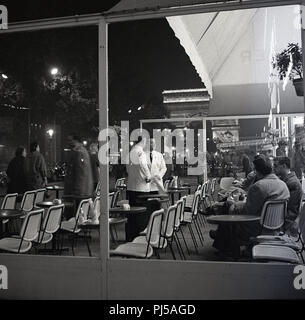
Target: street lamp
x=4, y=76
x=54, y=71
x=50, y=132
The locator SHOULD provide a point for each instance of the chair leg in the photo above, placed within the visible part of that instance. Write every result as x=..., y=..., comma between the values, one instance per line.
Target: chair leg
x=115, y=231
x=74, y=240
x=157, y=253
x=187, y=248
x=178, y=244
x=171, y=249
x=112, y=235
x=87, y=243
x=197, y=227
x=193, y=237
x=62, y=243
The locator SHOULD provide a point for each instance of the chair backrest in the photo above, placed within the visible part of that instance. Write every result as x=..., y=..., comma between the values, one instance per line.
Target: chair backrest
x=119, y=182
x=28, y=200
x=9, y=201
x=110, y=199
x=154, y=228
x=195, y=203
x=183, y=208
x=273, y=214
x=166, y=184
x=169, y=221
x=83, y=207
x=171, y=183
x=302, y=222
x=52, y=219
x=98, y=189
x=115, y=199
x=39, y=196
x=208, y=186
x=97, y=206
x=213, y=185
x=203, y=190
x=31, y=226
x=226, y=183
x=180, y=206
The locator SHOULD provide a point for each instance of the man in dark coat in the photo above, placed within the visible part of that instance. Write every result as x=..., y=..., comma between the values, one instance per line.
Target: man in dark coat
x=16, y=172
x=35, y=168
x=282, y=170
x=78, y=179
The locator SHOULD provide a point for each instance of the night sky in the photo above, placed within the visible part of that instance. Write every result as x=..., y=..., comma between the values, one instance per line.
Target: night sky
x=145, y=58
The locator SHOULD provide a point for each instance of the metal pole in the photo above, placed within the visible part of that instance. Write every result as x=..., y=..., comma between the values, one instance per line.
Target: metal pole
x=204, y=137
x=303, y=45
x=104, y=169
x=29, y=129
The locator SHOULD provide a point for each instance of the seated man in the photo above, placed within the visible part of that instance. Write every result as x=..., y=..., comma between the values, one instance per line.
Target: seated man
x=282, y=170
x=267, y=187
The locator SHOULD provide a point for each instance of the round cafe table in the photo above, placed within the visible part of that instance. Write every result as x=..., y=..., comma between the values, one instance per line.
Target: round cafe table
x=153, y=196
x=48, y=204
x=132, y=228
x=232, y=221
x=10, y=214
x=56, y=189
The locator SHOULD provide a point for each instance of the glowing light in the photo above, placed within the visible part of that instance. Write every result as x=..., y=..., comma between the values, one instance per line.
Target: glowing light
x=4, y=76
x=129, y=111
x=50, y=132
x=54, y=71
x=85, y=143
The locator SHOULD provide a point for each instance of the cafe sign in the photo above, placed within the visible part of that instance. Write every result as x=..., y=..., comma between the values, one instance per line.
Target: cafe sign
x=245, y=143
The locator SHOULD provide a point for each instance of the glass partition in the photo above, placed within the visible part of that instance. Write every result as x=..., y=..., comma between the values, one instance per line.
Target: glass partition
x=49, y=139
x=219, y=79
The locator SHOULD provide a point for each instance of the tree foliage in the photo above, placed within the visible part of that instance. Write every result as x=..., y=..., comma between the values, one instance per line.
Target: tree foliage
x=283, y=60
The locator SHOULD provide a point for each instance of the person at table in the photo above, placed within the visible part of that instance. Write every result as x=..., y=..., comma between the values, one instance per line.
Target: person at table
x=156, y=165
x=35, y=168
x=282, y=170
x=16, y=172
x=267, y=187
x=78, y=179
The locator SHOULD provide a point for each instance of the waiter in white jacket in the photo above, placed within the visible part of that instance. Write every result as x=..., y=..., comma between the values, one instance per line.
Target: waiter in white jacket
x=139, y=177
x=156, y=165
x=138, y=183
